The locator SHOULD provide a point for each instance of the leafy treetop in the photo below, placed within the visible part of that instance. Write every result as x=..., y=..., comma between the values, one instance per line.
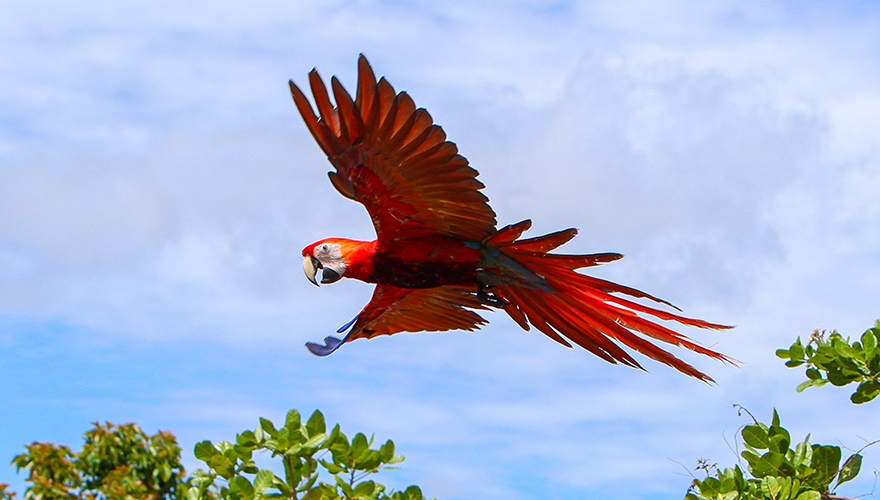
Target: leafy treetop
x=123, y=463
x=839, y=361
x=775, y=470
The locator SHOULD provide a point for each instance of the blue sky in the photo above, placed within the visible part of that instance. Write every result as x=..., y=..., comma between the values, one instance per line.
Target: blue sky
x=157, y=185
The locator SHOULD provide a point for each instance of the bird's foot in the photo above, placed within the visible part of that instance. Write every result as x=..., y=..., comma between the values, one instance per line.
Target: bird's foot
x=330, y=343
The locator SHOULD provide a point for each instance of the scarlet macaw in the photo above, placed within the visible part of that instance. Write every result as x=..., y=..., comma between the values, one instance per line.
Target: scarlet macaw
x=438, y=257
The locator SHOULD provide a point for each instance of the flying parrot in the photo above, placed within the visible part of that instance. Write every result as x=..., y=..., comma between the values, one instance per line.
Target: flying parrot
x=438, y=257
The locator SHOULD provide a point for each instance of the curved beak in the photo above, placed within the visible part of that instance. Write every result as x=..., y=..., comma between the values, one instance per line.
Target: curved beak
x=310, y=267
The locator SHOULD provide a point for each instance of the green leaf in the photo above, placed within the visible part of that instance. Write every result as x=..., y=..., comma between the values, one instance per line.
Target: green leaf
x=247, y=439
x=223, y=466
x=264, y=480
x=809, y=495
x=314, y=494
x=386, y=452
x=331, y=438
x=750, y=457
x=165, y=471
x=358, y=444
x=756, y=436
x=809, y=383
x=243, y=453
x=192, y=494
x=281, y=486
x=772, y=464
x=344, y=486
x=843, y=349
x=292, y=420
x=223, y=447
x=779, y=439
x=240, y=487
x=368, y=460
x=268, y=427
x=315, y=441
x=826, y=460
x=204, y=451
x=316, y=424
x=839, y=378
x=867, y=391
x=331, y=467
x=850, y=469
x=709, y=487
x=396, y=459
x=803, y=453
x=869, y=340
x=283, y=441
x=777, y=487
x=796, y=353
x=365, y=488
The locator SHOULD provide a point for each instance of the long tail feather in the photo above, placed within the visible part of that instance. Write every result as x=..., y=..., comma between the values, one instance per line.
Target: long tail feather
x=593, y=313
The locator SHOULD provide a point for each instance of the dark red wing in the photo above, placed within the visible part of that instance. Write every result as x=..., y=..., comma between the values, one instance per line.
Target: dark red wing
x=392, y=158
x=393, y=310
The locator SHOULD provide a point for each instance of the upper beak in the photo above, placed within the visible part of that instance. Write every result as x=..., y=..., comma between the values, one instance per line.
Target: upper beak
x=310, y=267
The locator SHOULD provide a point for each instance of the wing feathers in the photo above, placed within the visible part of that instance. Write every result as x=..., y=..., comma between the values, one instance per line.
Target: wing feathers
x=393, y=310
x=342, y=185
x=389, y=114
x=365, y=89
x=419, y=132
x=325, y=108
x=351, y=125
x=305, y=109
x=391, y=157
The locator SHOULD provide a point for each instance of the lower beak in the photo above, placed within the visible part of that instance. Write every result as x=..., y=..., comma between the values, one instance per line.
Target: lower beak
x=310, y=267
x=329, y=275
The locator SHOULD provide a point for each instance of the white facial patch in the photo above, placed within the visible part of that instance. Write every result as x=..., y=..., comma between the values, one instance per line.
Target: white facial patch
x=330, y=255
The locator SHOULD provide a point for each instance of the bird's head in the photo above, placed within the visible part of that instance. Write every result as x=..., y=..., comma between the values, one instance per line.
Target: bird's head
x=336, y=256
x=327, y=256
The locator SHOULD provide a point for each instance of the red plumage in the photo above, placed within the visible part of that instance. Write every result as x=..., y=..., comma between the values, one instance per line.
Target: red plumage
x=438, y=257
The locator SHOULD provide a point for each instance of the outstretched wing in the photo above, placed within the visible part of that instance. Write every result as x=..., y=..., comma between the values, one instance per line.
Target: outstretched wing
x=393, y=159
x=392, y=310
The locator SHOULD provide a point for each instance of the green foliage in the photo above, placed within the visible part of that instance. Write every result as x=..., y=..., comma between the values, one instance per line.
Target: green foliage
x=302, y=449
x=775, y=470
x=843, y=362
x=51, y=471
x=123, y=463
x=116, y=462
x=6, y=495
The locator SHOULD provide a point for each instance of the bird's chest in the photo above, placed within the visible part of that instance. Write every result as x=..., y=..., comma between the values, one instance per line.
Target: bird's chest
x=426, y=263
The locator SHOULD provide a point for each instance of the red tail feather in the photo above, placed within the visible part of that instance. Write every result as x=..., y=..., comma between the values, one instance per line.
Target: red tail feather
x=590, y=312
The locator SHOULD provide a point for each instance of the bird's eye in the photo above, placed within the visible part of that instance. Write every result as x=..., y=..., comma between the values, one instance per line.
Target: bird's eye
x=325, y=247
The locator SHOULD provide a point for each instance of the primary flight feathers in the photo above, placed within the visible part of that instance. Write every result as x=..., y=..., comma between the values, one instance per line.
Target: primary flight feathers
x=438, y=258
